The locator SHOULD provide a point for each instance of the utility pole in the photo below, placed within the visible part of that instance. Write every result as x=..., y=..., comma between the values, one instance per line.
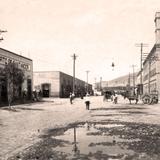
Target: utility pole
x=129, y=81
x=133, y=76
x=101, y=84
x=74, y=59
x=95, y=86
x=128, y=88
x=87, y=81
x=141, y=45
x=2, y=31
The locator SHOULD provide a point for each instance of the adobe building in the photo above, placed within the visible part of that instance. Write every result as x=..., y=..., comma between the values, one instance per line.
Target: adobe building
x=58, y=84
x=151, y=65
x=25, y=64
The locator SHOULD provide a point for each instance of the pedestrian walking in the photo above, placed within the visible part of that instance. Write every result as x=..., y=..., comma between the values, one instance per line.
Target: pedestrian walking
x=87, y=101
x=71, y=98
x=115, y=99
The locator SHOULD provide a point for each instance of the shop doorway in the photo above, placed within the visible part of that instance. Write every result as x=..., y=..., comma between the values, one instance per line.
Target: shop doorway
x=46, y=89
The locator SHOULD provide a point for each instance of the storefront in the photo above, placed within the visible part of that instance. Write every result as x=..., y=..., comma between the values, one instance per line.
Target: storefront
x=23, y=63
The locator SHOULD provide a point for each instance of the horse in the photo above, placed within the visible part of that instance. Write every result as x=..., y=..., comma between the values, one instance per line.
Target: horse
x=131, y=97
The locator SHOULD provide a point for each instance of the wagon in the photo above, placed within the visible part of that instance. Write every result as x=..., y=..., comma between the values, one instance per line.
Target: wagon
x=151, y=98
x=108, y=95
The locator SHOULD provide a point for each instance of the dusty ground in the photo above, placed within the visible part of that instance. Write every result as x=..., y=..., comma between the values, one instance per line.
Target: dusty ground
x=27, y=132
x=20, y=128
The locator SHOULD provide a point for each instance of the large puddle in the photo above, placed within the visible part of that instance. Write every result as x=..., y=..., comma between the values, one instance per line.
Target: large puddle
x=88, y=139
x=108, y=140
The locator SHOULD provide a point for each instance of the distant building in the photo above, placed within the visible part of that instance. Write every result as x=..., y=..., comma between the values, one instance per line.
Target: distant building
x=59, y=84
x=119, y=83
x=24, y=64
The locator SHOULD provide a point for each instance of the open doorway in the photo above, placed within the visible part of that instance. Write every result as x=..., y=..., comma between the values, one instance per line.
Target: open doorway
x=46, y=89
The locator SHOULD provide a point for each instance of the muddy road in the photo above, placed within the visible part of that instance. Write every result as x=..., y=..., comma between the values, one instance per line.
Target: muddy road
x=111, y=132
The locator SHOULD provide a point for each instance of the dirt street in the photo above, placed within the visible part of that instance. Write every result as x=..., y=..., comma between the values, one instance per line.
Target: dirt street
x=58, y=130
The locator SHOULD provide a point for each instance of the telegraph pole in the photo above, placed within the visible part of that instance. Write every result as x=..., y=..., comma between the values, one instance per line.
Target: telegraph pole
x=129, y=80
x=95, y=87
x=133, y=76
x=87, y=80
x=74, y=59
x=141, y=45
x=101, y=84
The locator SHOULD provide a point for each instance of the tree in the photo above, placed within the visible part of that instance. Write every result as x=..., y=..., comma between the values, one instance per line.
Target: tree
x=14, y=79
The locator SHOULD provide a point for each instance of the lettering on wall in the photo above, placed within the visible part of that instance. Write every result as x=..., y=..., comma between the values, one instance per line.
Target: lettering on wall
x=5, y=60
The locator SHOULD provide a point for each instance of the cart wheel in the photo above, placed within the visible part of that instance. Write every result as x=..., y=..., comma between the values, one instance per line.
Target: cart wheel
x=146, y=99
x=154, y=100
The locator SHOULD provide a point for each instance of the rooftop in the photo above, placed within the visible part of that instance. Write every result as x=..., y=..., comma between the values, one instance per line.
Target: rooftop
x=15, y=54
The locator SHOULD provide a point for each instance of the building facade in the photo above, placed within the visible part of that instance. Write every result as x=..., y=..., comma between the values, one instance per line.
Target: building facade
x=151, y=65
x=59, y=84
x=23, y=63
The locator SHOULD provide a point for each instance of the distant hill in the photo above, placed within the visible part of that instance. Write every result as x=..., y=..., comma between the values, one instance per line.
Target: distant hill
x=120, y=81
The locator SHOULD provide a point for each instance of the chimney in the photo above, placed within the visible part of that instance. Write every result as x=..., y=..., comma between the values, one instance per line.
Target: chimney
x=157, y=26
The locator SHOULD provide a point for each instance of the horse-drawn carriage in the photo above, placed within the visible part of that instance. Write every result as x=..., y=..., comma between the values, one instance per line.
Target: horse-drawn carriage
x=151, y=98
x=108, y=95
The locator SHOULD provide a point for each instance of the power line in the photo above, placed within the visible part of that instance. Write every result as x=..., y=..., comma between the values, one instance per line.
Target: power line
x=3, y=31
x=41, y=60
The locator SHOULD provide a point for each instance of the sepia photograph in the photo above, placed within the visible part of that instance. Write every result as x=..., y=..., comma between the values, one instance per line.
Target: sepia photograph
x=80, y=80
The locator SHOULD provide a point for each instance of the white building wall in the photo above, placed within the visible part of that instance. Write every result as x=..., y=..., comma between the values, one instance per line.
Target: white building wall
x=157, y=26
x=51, y=78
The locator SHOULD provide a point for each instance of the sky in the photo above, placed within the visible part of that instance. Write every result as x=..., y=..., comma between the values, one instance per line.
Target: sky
x=99, y=32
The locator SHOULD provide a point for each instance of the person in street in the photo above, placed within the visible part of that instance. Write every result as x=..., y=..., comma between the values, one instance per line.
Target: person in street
x=40, y=94
x=87, y=101
x=24, y=94
x=71, y=98
x=115, y=99
x=34, y=95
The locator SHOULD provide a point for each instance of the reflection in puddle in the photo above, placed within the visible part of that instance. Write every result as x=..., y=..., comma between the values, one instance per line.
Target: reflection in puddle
x=88, y=140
